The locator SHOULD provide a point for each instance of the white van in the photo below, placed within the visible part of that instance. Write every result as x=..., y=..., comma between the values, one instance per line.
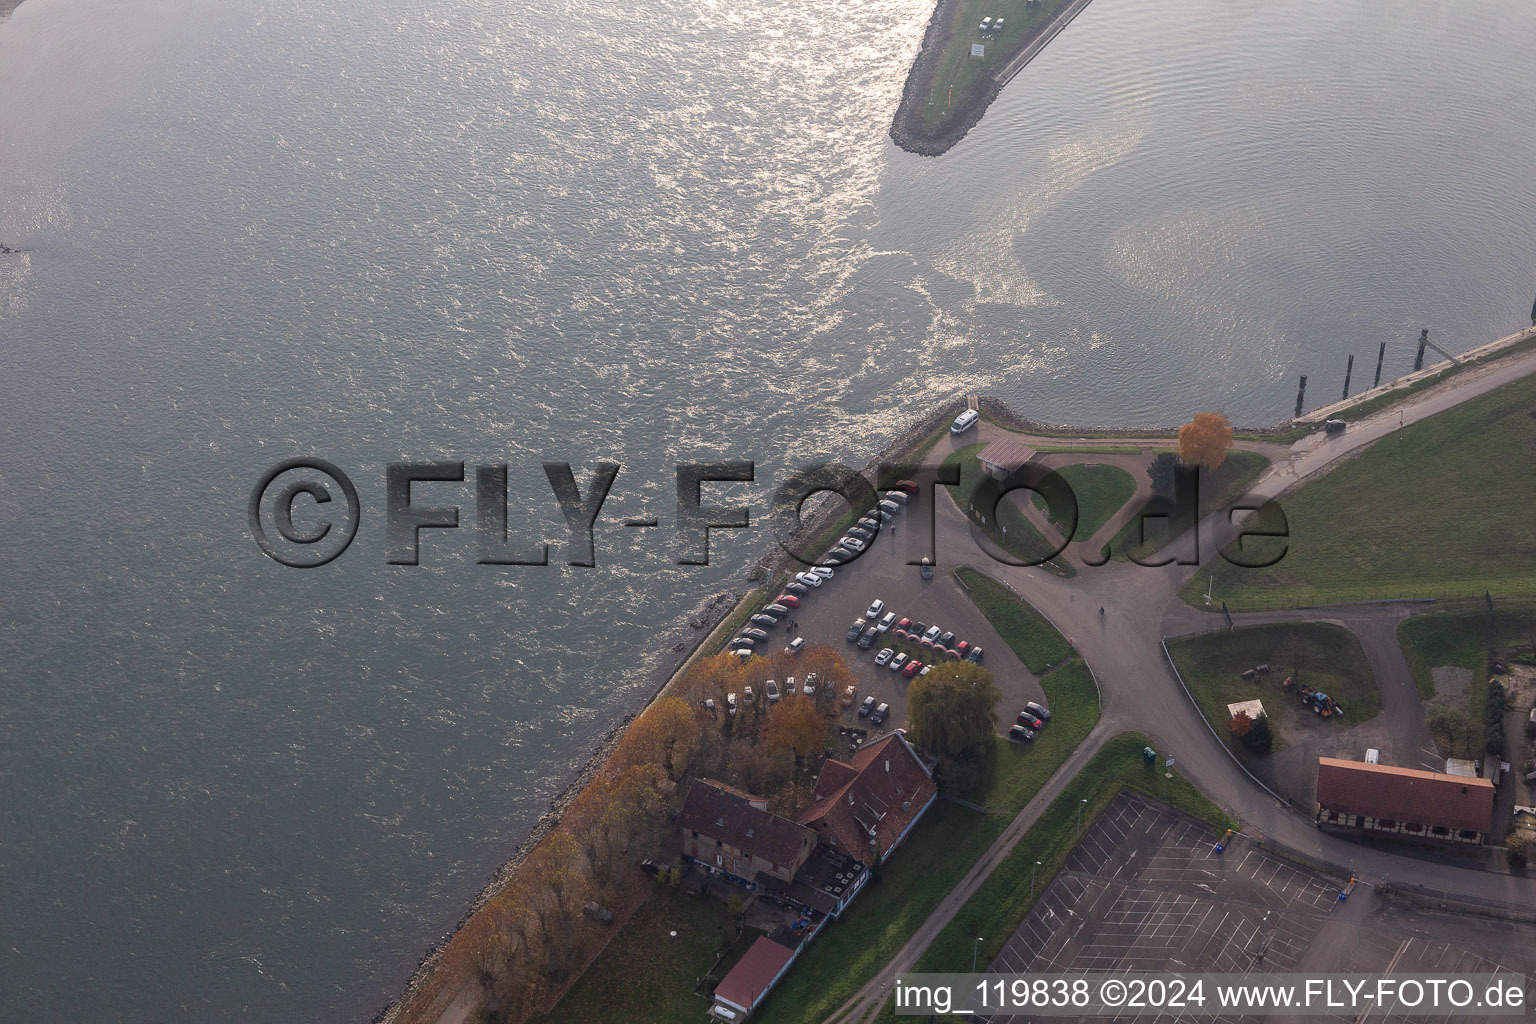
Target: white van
x=965, y=421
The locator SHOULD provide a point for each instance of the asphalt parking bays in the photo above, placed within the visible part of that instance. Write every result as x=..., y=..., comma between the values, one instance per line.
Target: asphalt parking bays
x=1145, y=890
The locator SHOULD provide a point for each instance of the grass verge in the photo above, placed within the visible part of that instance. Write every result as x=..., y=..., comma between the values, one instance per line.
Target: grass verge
x=978, y=495
x=1323, y=656
x=1101, y=490
x=1026, y=631
x=1439, y=508
x=1217, y=490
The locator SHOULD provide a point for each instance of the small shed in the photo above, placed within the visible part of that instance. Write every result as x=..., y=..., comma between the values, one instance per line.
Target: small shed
x=1004, y=457
x=1254, y=709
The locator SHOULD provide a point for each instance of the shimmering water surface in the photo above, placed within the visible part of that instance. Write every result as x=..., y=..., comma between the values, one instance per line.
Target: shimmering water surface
x=647, y=231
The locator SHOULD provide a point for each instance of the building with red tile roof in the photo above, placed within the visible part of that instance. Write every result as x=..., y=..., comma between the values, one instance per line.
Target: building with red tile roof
x=869, y=806
x=727, y=830
x=751, y=979
x=1405, y=803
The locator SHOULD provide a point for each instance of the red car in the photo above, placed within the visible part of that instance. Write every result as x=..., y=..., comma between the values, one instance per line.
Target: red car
x=904, y=624
x=787, y=600
x=1030, y=721
x=912, y=668
x=908, y=486
x=962, y=647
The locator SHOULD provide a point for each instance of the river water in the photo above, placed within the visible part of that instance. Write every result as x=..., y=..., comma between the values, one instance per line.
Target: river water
x=647, y=232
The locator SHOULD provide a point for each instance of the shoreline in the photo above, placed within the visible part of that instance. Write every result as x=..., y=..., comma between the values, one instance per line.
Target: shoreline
x=908, y=130
x=690, y=634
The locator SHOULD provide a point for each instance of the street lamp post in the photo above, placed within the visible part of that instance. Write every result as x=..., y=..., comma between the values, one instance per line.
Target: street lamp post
x=1032, y=880
x=1081, y=804
x=974, y=947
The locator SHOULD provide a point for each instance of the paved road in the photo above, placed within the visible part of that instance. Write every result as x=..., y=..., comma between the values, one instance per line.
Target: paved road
x=1123, y=645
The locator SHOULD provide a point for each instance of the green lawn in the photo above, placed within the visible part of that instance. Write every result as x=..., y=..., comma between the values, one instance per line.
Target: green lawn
x=1101, y=490
x=1026, y=631
x=941, y=849
x=977, y=496
x=646, y=974
x=960, y=75
x=1441, y=508
x=994, y=912
x=1457, y=638
x=1230, y=482
x=1329, y=657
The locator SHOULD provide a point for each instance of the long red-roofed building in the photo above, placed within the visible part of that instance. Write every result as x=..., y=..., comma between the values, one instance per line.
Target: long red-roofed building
x=1403, y=803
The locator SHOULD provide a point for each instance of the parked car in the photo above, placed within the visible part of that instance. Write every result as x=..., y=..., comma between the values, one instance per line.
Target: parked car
x=965, y=421
x=854, y=631
x=744, y=643
x=808, y=579
x=852, y=543
x=794, y=646
x=946, y=639
x=808, y=687
x=742, y=653
x=879, y=715
x=903, y=623
x=925, y=568
x=747, y=696
x=794, y=590
x=885, y=623
x=850, y=694
x=917, y=629
x=771, y=688
x=755, y=633
x=925, y=671
x=909, y=486
x=876, y=608
x=730, y=703
x=779, y=607
x=899, y=497
x=870, y=524
x=889, y=507
x=912, y=668
x=861, y=533
x=1040, y=711
x=866, y=707
x=997, y=25
x=985, y=26
x=885, y=517
x=974, y=656
x=897, y=662
x=837, y=556
x=1027, y=719
x=962, y=647
x=709, y=704
x=1019, y=732
x=868, y=639
x=884, y=656
x=765, y=620
x=824, y=571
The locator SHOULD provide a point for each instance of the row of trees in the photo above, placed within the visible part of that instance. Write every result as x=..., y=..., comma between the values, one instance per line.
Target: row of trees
x=526, y=943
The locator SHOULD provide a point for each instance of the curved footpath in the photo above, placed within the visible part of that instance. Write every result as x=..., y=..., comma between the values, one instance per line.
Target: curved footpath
x=1142, y=694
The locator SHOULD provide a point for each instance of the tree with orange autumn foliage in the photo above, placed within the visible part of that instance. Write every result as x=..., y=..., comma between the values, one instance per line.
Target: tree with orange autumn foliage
x=796, y=724
x=666, y=735
x=1204, y=440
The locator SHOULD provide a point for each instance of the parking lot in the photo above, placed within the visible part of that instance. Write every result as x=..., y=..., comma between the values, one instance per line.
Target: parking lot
x=881, y=572
x=1145, y=890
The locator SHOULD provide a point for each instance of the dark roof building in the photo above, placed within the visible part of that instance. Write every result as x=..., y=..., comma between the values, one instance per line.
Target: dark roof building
x=872, y=803
x=1406, y=803
x=729, y=831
